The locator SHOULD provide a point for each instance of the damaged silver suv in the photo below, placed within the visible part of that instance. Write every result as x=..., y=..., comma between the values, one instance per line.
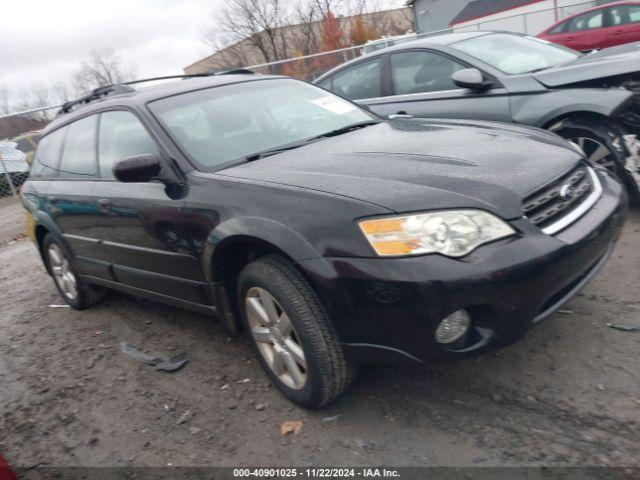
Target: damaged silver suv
x=590, y=99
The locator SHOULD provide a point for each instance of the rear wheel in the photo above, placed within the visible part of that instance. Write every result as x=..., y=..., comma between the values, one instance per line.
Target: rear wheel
x=603, y=143
x=292, y=334
x=75, y=291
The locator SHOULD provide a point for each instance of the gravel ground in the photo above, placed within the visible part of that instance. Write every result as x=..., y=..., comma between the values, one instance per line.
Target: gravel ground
x=11, y=220
x=566, y=395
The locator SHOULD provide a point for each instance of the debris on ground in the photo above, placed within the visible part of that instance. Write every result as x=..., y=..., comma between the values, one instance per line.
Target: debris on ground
x=184, y=417
x=565, y=311
x=170, y=364
x=92, y=361
x=624, y=328
x=331, y=418
x=290, y=426
x=259, y=407
x=58, y=306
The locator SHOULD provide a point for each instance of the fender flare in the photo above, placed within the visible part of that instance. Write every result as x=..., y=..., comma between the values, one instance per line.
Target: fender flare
x=44, y=219
x=257, y=229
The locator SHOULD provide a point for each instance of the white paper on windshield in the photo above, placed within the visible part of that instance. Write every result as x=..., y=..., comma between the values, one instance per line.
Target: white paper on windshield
x=334, y=105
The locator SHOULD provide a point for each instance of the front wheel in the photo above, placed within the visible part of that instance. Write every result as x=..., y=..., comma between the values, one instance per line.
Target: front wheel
x=292, y=334
x=603, y=143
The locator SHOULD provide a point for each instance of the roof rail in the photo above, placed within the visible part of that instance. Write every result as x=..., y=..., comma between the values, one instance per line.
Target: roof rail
x=95, y=94
x=125, y=87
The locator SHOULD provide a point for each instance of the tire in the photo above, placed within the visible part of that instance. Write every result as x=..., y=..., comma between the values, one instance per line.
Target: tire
x=324, y=372
x=56, y=257
x=591, y=135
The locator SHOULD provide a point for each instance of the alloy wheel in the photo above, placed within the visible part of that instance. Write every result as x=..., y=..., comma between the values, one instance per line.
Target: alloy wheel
x=276, y=338
x=596, y=152
x=62, y=272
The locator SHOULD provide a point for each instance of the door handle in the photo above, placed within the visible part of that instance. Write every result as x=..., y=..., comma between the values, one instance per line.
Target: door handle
x=400, y=114
x=104, y=203
x=52, y=198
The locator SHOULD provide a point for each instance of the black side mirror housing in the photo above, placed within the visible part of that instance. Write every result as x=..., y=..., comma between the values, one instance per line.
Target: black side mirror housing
x=140, y=168
x=471, y=78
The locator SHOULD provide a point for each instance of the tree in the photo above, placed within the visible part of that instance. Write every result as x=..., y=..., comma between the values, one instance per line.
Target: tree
x=298, y=68
x=255, y=21
x=332, y=39
x=360, y=32
x=103, y=67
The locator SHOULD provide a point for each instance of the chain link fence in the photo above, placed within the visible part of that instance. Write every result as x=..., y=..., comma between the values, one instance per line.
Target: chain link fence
x=310, y=67
x=14, y=169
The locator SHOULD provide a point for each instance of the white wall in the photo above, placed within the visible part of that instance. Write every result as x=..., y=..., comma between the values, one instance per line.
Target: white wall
x=530, y=19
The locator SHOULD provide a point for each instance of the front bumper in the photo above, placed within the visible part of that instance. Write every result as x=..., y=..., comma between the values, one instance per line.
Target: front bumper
x=388, y=309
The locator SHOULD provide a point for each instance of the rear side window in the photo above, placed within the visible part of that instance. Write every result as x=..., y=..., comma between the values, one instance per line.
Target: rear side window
x=416, y=72
x=588, y=21
x=79, y=152
x=48, y=154
x=121, y=136
x=359, y=81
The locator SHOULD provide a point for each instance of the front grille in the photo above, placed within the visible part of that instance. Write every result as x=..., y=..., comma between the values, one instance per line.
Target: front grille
x=558, y=199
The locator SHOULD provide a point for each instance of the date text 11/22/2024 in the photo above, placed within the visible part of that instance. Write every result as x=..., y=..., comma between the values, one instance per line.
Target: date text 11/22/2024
x=325, y=472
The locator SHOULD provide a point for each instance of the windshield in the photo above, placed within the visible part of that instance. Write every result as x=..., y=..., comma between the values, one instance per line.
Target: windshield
x=222, y=125
x=513, y=54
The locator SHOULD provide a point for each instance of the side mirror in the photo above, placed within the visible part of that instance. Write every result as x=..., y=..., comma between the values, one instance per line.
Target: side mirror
x=471, y=78
x=140, y=168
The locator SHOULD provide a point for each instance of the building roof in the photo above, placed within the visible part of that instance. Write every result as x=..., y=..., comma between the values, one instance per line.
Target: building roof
x=483, y=8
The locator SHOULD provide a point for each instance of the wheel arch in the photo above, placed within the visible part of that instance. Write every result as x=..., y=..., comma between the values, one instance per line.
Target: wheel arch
x=44, y=226
x=559, y=121
x=234, y=244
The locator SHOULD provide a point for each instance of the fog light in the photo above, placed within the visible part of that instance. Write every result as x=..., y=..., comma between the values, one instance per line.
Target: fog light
x=453, y=327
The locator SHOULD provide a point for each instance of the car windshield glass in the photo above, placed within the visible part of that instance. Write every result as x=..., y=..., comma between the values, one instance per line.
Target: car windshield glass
x=514, y=55
x=223, y=125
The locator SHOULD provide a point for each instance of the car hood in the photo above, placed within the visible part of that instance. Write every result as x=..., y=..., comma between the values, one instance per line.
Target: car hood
x=612, y=61
x=412, y=165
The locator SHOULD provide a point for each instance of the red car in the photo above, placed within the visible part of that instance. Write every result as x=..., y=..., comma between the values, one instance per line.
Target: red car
x=600, y=27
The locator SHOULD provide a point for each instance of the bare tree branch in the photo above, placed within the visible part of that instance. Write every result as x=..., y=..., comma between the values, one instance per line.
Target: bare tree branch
x=103, y=67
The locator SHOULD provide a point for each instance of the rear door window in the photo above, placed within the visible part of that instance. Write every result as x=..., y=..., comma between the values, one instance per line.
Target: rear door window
x=360, y=81
x=121, y=136
x=588, y=21
x=79, y=151
x=48, y=154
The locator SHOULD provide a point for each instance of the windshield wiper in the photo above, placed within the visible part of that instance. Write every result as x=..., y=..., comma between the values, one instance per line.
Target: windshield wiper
x=274, y=151
x=291, y=146
x=348, y=128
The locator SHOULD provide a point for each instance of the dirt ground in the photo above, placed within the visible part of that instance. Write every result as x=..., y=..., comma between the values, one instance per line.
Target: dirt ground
x=566, y=395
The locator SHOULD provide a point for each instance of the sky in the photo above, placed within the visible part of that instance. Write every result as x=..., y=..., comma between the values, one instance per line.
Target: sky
x=44, y=41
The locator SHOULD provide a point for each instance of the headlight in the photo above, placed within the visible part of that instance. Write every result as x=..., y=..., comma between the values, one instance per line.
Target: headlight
x=453, y=233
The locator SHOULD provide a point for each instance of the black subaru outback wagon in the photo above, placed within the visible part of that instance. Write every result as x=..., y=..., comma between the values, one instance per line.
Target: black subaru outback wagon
x=331, y=235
